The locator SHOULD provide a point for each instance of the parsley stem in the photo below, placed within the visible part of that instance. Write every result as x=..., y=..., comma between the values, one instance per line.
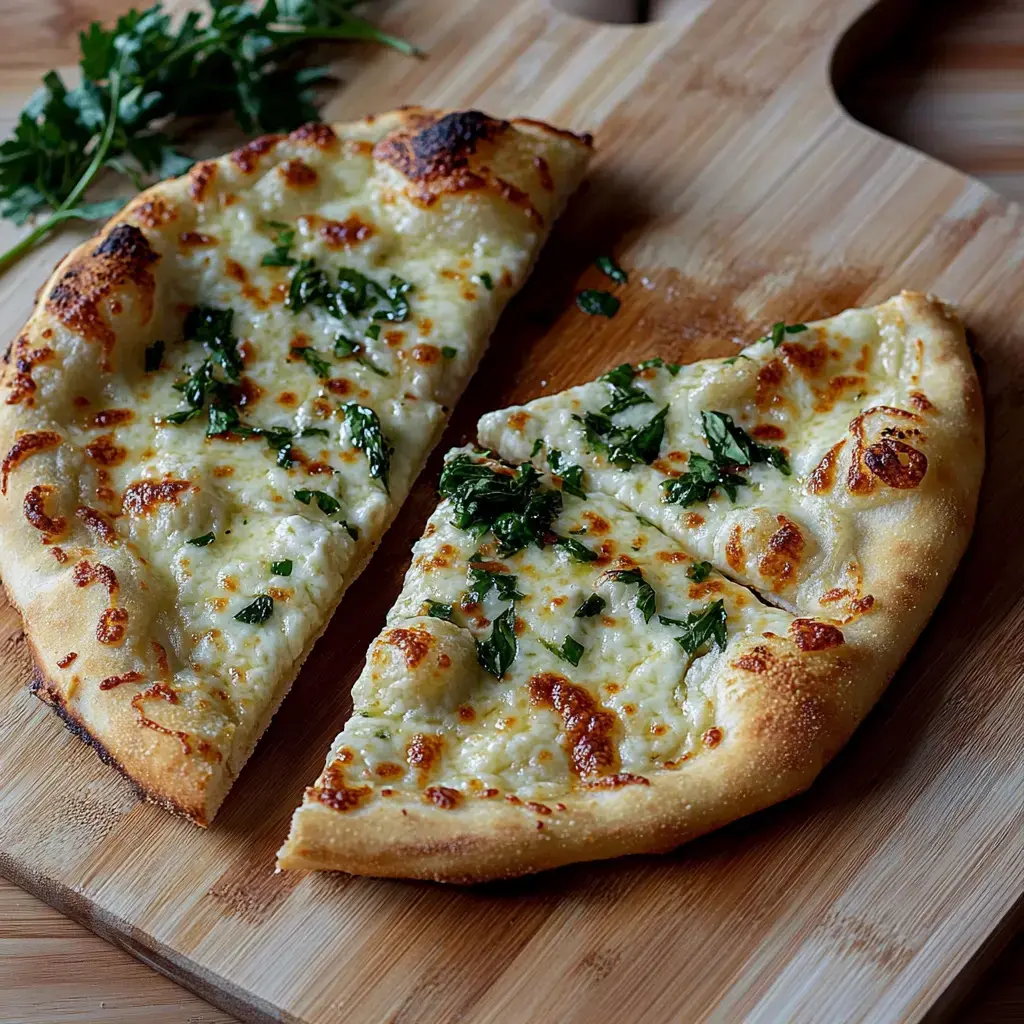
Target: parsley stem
x=352, y=30
x=66, y=209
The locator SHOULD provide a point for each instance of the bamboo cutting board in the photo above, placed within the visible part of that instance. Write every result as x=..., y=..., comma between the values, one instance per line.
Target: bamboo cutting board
x=732, y=185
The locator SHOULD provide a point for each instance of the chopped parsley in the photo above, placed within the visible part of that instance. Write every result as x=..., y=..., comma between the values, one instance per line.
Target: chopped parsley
x=625, y=446
x=327, y=503
x=313, y=359
x=499, y=650
x=448, y=352
x=364, y=427
x=353, y=295
x=624, y=392
x=609, y=267
x=597, y=303
x=154, y=356
x=593, y=605
x=437, y=610
x=537, y=446
x=258, y=612
x=486, y=280
x=512, y=505
x=570, y=651
x=279, y=439
x=699, y=571
x=732, y=451
x=646, y=599
x=394, y=295
x=373, y=332
x=575, y=550
x=345, y=347
x=780, y=330
x=570, y=474
x=282, y=568
x=201, y=542
x=657, y=363
x=700, y=628
x=280, y=255
x=483, y=581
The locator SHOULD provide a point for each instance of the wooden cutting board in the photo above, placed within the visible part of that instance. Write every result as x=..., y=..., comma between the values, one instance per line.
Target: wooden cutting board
x=737, y=191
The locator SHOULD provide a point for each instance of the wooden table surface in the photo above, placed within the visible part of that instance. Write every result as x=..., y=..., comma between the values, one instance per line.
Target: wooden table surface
x=952, y=86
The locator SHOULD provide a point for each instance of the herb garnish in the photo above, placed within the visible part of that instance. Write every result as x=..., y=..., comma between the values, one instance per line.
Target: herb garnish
x=625, y=446
x=498, y=652
x=201, y=542
x=657, y=363
x=354, y=294
x=365, y=430
x=597, y=303
x=701, y=627
x=448, y=352
x=510, y=504
x=732, y=451
x=345, y=347
x=279, y=439
x=608, y=266
x=593, y=605
x=142, y=78
x=154, y=356
x=624, y=392
x=282, y=568
x=780, y=330
x=570, y=474
x=258, y=612
x=570, y=651
x=313, y=359
x=646, y=599
x=280, y=255
x=482, y=581
x=327, y=503
x=437, y=610
x=486, y=280
x=575, y=550
x=699, y=571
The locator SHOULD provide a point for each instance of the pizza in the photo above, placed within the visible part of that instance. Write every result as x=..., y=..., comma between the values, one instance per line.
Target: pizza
x=220, y=402
x=663, y=600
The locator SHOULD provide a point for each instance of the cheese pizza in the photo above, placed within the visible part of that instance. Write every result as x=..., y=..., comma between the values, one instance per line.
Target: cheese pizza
x=667, y=602
x=222, y=400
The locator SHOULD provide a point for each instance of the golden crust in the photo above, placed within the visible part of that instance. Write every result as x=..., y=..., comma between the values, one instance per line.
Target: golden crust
x=101, y=299
x=787, y=705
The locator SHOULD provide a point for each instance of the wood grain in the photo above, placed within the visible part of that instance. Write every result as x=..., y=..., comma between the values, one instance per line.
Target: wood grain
x=739, y=192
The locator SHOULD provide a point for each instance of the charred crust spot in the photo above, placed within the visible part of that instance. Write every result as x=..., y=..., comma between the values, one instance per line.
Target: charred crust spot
x=756, y=660
x=896, y=463
x=423, y=752
x=388, y=770
x=153, y=212
x=337, y=795
x=199, y=179
x=466, y=713
x=343, y=234
x=544, y=174
x=585, y=138
x=589, y=729
x=442, y=796
x=810, y=635
x=920, y=402
x=768, y=432
x=23, y=358
x=97, y=523
x=808, y=361
x=104, y=452
x=112, y=626
x=67, y=660
x=833, y=391
x=297, y=174
x=35, y=512
x=315, y=133
x=114, y=681
x=195, y=240
x=859, y=478
x=85, y=573
x=823, y=476
x=517, y=420
x=785, y=548
x=430, y=147
x=769, y=378
x=248, y=156
x=143, y=497
x=426, y=354
x=60, y=554
x=734, y=552
x=415, y=643
x=111, y=417
x=162, y=664
x=712, y=737
x=616, y=781
x=23, y=447
x=123, y=257
x=596, y=524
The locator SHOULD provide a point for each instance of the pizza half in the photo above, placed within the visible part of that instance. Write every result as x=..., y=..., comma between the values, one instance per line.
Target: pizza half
x=222, y=400
x=666, y=603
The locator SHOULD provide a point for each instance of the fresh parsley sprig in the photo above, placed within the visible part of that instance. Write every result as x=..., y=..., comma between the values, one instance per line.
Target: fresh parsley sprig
x=146, y=74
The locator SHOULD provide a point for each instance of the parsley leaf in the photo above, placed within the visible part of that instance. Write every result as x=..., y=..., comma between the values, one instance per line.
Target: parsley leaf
x=482, y=581
x=486, y=280
x=327, y=503
x=597, y=303
x=701, y=627
x=780, y=330
x=731, y=444
x=258, y=612
x=448, y=352
x=498, y=652
x=313, y=359
x=279, y=439
x=437, y=610
x=212, y=328
x=282, y=568
x=699, y=571
x=646, y=599
x=593, y=605
x=280, y=255
x=577, y=552
x=700, y=481
x=624, y=446
x=394, y=295
x=624, y=392
x=365, y=430
x=537, y=446
x=608, y=266
x=657, y=363
x=154, y=356
x=201, y=542
x=570, y=651
x=571, y=475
